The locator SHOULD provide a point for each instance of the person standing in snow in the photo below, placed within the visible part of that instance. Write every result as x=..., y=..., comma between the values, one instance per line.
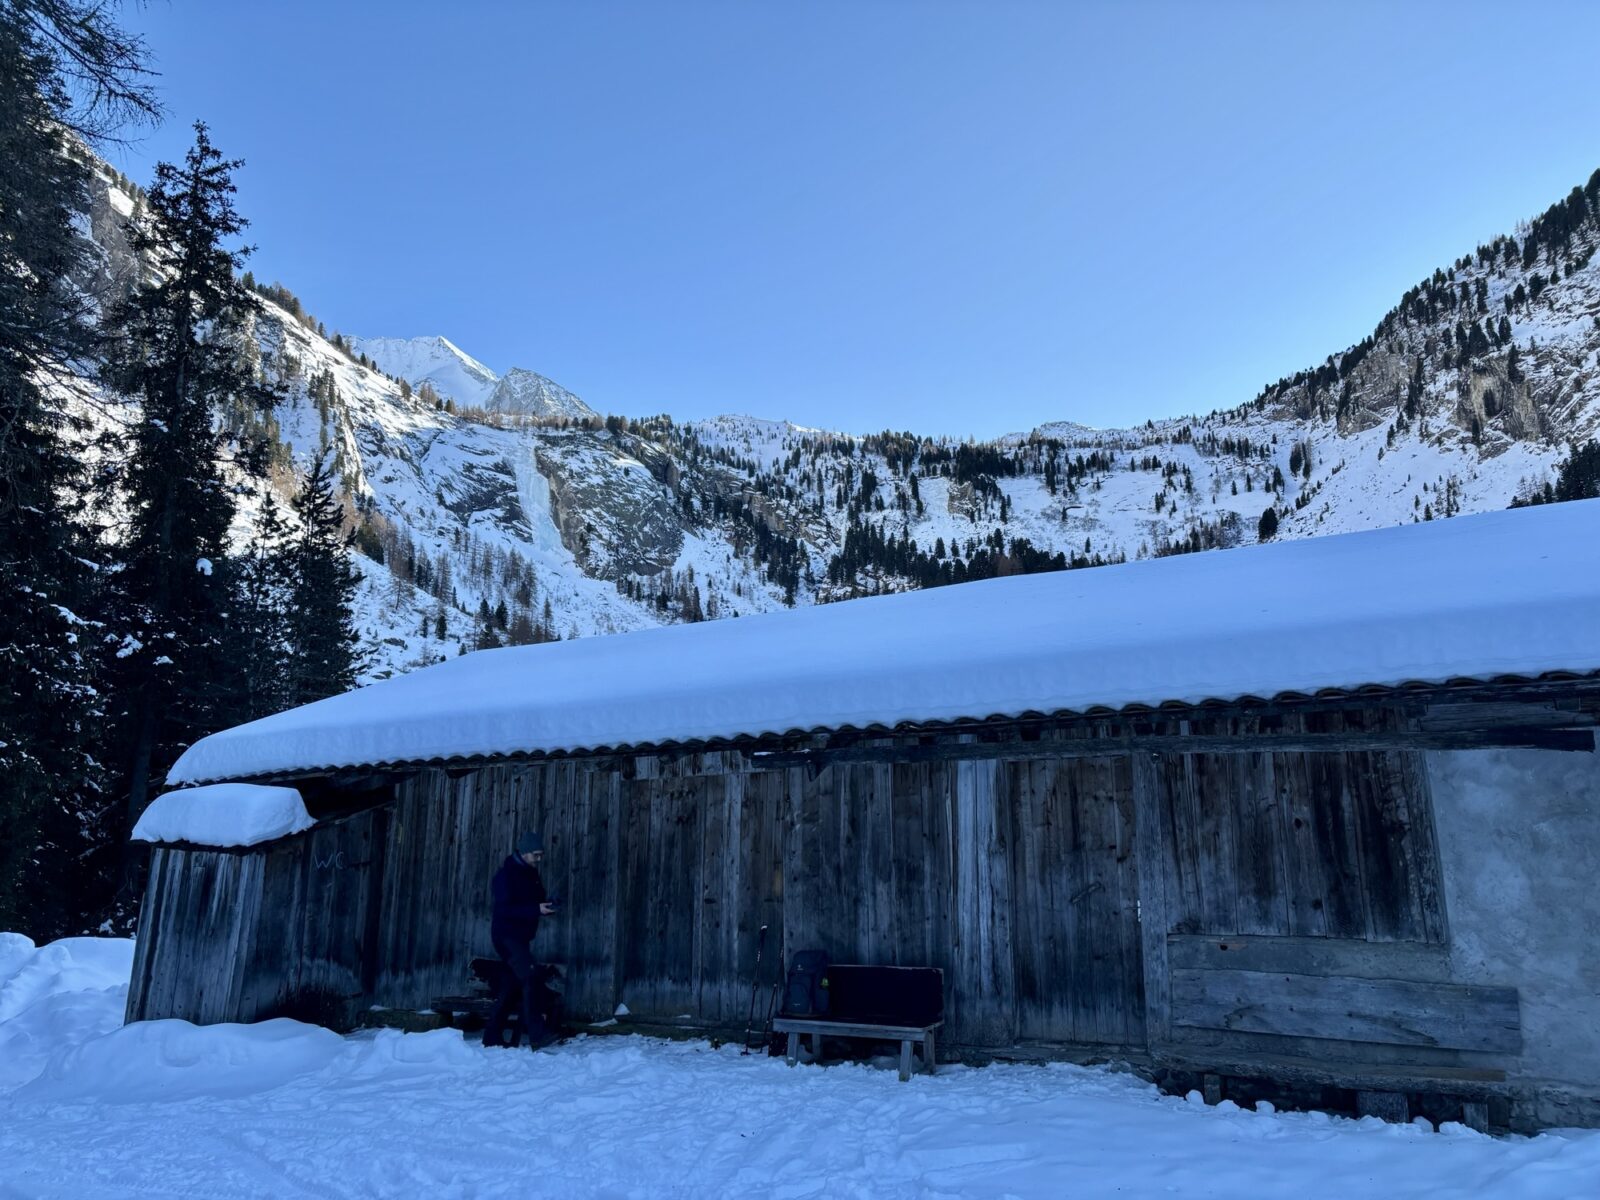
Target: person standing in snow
x=519, y=902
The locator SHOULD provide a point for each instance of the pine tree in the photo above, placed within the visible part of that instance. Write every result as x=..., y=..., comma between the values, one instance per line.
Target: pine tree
x=45, y=767
x=321, y=620
x=1267, y=528
x=485, y=638
x=50, y=714
x=1578, y=478
x=262, y=594
x=176, y=351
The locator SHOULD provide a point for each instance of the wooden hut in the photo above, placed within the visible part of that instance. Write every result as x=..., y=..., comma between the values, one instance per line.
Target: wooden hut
x=1324, y=814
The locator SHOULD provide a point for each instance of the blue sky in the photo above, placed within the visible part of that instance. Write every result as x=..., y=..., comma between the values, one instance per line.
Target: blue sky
x=962, y=218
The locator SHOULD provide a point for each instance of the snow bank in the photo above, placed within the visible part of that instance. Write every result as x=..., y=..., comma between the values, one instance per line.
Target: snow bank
x=223, y=814
x=53, y=995
x=30, y=974
x=153, y=1061
x=1513, y=592
x=15, y=949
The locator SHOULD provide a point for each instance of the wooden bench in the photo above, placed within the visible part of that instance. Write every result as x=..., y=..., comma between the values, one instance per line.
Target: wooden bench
x=885, y=1004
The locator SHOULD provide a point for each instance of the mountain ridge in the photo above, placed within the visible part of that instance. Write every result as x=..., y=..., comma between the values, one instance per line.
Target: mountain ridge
x=483, y=521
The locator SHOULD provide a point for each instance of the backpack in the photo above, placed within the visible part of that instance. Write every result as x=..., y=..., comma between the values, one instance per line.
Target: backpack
x=805, y=993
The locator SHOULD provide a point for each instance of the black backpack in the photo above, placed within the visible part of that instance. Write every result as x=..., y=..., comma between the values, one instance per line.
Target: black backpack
x=805, y=994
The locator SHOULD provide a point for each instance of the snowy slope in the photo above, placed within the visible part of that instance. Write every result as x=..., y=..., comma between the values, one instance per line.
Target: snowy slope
x=92, y=1108
x=454, y=489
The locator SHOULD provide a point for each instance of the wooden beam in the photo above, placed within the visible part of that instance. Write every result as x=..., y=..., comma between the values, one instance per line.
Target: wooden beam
x=1476, y=714
x=1390, y=1011
x=1355, y=958
x=1581, y=740
x=1477, y=1082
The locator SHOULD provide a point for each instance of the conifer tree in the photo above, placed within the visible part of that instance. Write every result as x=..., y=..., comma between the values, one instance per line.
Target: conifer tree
x=50, y=712
x=262, y=595
x=1267, y=527
x=45, y=767
x=176, y=352
x=321, y=620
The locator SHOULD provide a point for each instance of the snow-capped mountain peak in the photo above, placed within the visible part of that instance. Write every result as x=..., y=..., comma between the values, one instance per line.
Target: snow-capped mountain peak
x=435, y=360
x=456, y=375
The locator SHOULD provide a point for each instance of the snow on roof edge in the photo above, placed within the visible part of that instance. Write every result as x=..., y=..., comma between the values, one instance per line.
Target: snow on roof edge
x=1502, y=594
x=223, y=815
x=901, y=728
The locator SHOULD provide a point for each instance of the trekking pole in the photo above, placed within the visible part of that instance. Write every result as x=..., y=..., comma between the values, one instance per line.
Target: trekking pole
x=755, y=982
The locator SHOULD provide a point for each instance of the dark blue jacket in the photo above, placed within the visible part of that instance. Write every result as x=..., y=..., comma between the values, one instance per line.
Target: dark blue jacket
x=518, y=891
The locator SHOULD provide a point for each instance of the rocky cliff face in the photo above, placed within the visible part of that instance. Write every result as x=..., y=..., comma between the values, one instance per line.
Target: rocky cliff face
x=614, y=517
x=522, y=393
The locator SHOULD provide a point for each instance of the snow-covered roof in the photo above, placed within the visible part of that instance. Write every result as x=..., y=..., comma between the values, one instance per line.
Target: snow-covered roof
x=1508, y=593
x=223, y=814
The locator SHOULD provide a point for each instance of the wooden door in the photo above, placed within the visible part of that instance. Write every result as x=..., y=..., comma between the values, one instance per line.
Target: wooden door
x=1075, y=931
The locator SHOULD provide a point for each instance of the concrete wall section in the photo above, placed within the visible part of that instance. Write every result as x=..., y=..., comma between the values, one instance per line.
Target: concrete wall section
x=1519, y=837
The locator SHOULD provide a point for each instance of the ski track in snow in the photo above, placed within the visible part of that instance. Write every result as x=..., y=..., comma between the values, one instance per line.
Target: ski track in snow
x=289, y=1110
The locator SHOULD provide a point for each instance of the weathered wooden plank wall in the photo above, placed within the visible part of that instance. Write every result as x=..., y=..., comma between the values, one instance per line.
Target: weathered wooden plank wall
x=286, y=930
x=1023, y=879
x=1266, y=1023
x=1017, y=878
x=981, y=983
x=1075, y=900
x=1309, y=845
x=196, y=931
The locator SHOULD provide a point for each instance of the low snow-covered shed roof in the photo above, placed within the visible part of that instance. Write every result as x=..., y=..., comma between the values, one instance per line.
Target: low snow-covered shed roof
x=223, y=814
x=1479, y=597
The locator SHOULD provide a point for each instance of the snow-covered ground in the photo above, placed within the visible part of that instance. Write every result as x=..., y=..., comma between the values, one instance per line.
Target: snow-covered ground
x=89, y=1108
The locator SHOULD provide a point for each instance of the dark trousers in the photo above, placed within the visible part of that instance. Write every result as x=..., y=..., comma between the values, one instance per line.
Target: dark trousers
x=519, y=992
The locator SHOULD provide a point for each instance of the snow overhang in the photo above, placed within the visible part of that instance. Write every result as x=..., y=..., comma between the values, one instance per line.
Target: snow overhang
x=224, y=815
